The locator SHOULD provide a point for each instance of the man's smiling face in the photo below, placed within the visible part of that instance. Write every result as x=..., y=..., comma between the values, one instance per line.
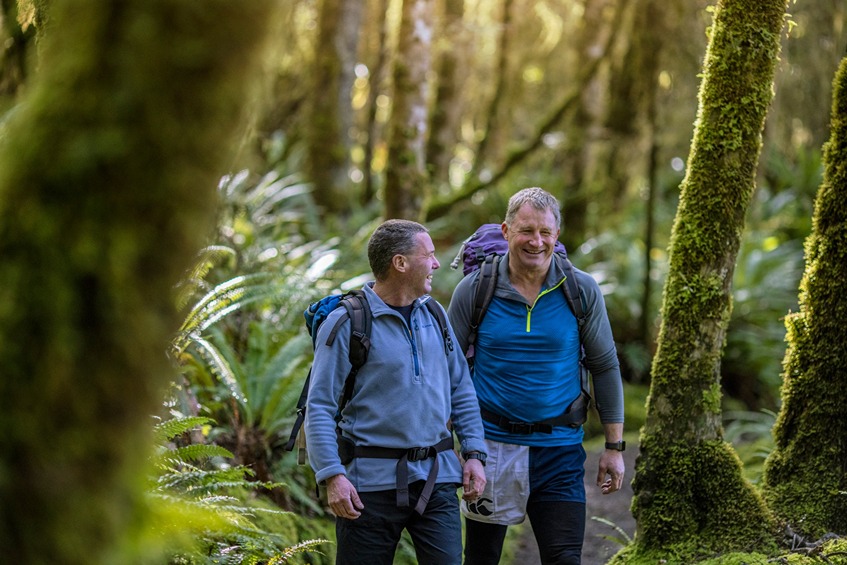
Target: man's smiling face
x=532, y=237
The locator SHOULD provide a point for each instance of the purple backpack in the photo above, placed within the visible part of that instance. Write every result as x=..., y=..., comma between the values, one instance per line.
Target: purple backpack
x=486, y=240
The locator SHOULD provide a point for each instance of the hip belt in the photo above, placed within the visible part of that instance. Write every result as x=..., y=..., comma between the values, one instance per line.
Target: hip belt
x=573, y=417
x=347, y=450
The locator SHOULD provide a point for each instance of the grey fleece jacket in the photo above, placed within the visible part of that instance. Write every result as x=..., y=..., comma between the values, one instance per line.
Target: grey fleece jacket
x=404, y=395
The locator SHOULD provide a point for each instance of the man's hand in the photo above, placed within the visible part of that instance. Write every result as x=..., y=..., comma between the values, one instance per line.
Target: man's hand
x=473, y=479
x=342, y=497
x=611, y=465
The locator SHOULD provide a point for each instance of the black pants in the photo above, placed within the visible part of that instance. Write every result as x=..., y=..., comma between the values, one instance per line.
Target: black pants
x=372, y=538
x=559, y=529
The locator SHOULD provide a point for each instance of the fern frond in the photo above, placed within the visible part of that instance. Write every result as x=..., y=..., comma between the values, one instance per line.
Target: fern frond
x=192, y=478
x=278, y=194
x=302, y=547
x=220, y=367
x=223, y=485
x=217, y=499
x=170, y=429
x=208, y=257
x=198, y=452
x=194, y=281
x=225, y=298
x=624, y=537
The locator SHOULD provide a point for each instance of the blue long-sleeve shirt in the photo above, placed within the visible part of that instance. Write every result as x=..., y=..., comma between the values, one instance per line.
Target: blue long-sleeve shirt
x=403, y=397
x=526, y=354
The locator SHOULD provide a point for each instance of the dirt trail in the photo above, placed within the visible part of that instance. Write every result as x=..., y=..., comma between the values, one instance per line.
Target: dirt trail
x=614, y=507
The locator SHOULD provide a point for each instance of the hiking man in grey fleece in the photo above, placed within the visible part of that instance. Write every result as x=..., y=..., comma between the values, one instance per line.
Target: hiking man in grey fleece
x=404, y=395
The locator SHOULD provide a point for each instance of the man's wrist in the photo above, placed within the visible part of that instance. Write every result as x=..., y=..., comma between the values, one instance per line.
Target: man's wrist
x=616, y=445
x=478, y=455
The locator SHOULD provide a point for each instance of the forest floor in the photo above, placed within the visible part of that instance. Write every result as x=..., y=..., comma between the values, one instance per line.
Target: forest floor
x=614, y=508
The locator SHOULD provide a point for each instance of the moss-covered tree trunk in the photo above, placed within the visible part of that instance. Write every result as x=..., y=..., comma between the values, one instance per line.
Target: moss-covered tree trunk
x=107, y=189
x=690, y=497
x=405, y=173
x=805, y=480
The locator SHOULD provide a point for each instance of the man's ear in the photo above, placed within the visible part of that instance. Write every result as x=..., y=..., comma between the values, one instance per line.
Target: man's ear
x=399, y=263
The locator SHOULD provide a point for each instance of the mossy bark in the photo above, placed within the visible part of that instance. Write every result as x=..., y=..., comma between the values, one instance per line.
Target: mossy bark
x=107, y=189
x=690, y=497
x=805, y=479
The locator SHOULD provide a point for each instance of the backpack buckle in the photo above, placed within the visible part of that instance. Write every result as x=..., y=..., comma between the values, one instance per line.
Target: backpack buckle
x=522, y=428
x=418, y=453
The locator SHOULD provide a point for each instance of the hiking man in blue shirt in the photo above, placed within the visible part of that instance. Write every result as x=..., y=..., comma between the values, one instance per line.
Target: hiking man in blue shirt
x=526, y=371
x=389, y=463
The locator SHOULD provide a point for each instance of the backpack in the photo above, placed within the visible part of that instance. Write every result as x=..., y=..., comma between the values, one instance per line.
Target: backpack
x=483, y=251
x=359, y=314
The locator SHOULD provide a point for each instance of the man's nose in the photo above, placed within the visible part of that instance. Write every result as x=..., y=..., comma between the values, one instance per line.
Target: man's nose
x=536, y=239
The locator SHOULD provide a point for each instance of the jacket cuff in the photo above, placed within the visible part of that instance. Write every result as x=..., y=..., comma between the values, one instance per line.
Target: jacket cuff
x=330, y=471
x=474, y=445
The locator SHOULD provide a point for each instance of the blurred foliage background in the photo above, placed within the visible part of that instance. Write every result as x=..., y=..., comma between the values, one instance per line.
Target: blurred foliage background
x=593, y=100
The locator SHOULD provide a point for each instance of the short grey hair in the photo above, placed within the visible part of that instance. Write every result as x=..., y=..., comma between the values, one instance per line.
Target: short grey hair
x=392, y=237
x=536, y=197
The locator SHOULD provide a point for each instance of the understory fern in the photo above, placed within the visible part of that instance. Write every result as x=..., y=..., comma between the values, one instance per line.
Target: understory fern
x=209, y=510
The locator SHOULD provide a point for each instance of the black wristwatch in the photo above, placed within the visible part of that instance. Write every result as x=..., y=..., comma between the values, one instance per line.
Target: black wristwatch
x=481, y=457
x=617, y=445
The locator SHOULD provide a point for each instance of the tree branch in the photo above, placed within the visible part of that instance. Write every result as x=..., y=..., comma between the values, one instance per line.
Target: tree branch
x=439, y=206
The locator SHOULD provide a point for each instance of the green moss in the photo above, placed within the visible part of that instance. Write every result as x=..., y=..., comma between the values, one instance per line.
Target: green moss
x=107, y=189
x=685, y=480
x=712, y=398
x=806, y=475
